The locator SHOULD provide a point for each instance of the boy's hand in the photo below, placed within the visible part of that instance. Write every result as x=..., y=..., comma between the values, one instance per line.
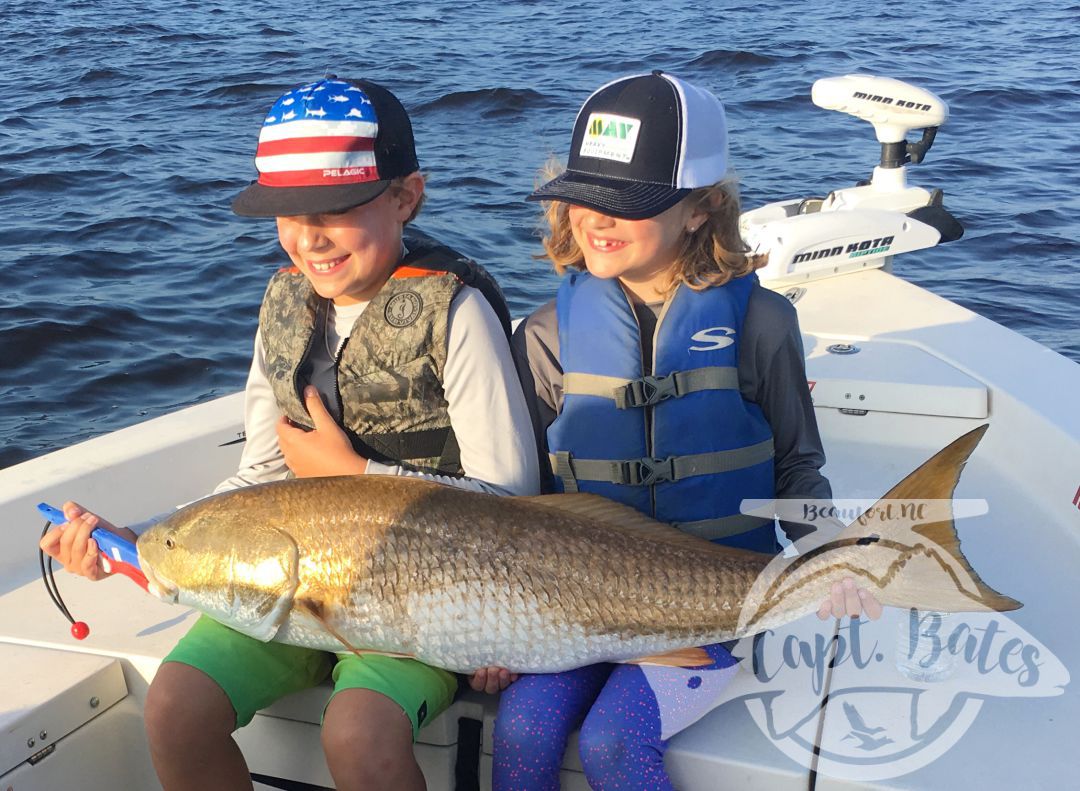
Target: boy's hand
x=71, y=545
x=492, y=679
x=846, y=599
x=325, y=450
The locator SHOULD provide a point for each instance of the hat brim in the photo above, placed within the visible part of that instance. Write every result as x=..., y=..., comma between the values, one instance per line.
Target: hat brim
x=629, y=200
x=259, y=200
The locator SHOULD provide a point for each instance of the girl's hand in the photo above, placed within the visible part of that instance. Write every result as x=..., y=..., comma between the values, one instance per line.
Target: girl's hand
x=71, y=545
x=492, y=679
x=325, y=450
x=846, y=599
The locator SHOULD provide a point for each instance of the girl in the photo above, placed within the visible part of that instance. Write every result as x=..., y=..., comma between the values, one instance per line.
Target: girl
x=666, y=378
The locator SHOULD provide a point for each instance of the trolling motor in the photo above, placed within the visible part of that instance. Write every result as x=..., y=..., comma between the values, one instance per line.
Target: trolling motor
x=863, y=226
x=894, y=108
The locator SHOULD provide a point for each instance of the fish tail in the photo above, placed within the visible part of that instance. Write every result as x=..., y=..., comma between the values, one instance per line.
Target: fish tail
x=913, y=553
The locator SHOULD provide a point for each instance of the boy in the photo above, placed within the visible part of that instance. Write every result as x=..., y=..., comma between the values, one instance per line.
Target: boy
x=407, y=343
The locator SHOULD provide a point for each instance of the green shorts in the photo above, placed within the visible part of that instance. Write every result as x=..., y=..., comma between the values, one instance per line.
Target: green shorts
x=254, y=674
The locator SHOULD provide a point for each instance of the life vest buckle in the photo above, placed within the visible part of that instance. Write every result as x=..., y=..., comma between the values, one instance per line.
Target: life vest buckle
x=648, y=390
x=647, y=472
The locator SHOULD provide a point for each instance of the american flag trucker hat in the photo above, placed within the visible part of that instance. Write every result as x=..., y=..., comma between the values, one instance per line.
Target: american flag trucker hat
x=326, y=147
x=640, y=144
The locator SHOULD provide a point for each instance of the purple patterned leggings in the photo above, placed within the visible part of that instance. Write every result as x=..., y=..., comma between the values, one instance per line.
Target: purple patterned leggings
x=627, y=715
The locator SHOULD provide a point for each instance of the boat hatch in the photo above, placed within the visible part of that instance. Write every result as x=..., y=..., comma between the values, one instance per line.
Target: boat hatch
x=888, y=376
x=49, y=694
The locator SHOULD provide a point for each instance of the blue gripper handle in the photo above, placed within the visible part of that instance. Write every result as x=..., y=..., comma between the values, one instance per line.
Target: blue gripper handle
x=54, y=515
x=120, y=555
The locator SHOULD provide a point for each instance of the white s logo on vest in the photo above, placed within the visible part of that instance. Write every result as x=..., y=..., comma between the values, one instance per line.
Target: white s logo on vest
x=720, y=340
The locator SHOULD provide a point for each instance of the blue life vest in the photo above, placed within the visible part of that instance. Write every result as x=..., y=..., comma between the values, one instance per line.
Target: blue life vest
x=708, y=448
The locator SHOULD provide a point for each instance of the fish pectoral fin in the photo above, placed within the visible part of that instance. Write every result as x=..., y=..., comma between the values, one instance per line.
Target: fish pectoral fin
x=315, y=610
x=680, y=657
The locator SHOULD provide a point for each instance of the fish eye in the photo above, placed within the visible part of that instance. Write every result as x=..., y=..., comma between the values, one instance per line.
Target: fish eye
x=170, y=543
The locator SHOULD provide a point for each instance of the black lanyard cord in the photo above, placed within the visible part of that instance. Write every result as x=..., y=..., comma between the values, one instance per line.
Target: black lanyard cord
x=79, y=630
x=812, y=777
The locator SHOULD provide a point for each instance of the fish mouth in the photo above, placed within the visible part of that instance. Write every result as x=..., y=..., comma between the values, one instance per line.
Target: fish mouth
x=163, y=588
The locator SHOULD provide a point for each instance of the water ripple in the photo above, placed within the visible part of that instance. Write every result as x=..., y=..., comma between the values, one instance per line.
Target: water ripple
x=129, y=279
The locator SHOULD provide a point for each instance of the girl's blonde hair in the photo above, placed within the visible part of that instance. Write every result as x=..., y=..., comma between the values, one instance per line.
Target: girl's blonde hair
x=711, y=255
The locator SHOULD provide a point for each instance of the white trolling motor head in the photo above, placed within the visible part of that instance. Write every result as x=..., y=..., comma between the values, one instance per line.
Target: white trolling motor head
x=893, y=107
x=866, y=225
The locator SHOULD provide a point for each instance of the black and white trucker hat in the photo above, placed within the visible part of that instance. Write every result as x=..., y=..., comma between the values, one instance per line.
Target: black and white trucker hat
x=640, y=144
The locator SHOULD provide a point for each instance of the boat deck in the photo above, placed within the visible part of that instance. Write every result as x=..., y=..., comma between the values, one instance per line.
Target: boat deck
x=927, y=371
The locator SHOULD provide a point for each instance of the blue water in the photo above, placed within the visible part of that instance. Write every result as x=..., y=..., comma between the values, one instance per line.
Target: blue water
x=129, y=289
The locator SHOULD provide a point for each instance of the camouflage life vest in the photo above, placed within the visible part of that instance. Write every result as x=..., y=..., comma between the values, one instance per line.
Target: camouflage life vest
x=390, y=369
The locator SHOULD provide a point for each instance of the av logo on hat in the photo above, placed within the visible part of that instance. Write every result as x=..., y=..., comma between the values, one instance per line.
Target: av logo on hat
x=610, y=137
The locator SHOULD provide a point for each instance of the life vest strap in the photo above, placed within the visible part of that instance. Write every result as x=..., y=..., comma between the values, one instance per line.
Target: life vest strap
x=560, y=463
x=648, y=472
x=406, y=445
x=649, y=390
